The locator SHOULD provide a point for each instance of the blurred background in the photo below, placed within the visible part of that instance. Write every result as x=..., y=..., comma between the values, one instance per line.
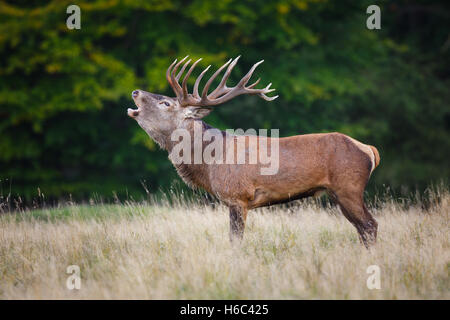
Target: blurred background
x=64, y=93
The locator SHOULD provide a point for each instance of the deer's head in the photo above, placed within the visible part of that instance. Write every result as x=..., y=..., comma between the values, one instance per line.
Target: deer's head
x=160, y=115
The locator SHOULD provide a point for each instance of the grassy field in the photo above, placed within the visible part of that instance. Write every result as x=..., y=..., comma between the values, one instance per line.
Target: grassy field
x=182, y=251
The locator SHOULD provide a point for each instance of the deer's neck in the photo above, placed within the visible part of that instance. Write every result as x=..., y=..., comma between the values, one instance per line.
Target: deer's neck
x=193, y=174
x=163, y=140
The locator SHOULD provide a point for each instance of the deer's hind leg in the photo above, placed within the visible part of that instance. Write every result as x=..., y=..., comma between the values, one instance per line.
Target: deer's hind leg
x=353, y=207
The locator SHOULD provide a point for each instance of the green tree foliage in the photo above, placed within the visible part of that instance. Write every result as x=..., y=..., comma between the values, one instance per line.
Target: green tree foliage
x=64, y=93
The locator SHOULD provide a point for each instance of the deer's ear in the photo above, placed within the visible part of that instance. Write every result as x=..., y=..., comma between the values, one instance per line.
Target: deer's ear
x=196, y=112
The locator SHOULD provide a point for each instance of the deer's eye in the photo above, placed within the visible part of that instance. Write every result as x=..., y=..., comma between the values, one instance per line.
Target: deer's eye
x=165, y=103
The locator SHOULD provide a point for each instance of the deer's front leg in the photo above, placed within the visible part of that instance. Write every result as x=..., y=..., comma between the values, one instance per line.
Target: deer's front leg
x=238, y=215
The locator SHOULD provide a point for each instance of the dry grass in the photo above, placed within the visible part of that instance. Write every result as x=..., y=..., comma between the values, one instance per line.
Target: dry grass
x=150, y=251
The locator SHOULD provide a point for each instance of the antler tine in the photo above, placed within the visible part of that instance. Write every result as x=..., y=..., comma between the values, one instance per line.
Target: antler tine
x=174, y=82
x=249, y=74
x=222, y=87
x=182, y=70
x=178, y=65
x=267, y=90
x=206, y=88
x=197, y=82
x=186, y=77
x=168, y=72
x=254, y=84
x=262, y=95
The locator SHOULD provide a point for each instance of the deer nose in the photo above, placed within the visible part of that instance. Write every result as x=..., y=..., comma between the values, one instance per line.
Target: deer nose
x=135, y=93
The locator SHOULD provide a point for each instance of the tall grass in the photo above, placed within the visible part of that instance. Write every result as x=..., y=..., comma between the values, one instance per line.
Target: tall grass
x=178, y=248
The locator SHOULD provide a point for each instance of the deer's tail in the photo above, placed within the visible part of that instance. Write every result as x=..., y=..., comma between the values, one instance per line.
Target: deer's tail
x=376, y=155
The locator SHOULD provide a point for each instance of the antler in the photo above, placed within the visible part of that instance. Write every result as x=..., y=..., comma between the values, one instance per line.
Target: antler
x=219, y=95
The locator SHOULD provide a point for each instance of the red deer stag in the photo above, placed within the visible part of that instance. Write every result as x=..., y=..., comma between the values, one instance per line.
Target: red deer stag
x=308, y=164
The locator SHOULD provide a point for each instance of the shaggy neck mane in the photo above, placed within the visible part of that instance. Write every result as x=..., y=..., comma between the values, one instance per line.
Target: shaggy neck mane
x=159, y=138
x=194, y=175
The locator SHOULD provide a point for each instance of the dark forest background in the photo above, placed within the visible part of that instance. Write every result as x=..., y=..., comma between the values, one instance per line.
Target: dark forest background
x=64, y=93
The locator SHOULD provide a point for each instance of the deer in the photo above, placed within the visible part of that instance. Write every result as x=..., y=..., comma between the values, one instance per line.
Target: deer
x=309, y=164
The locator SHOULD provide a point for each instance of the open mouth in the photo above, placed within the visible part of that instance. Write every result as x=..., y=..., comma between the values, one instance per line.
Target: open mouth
x=133, y=113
